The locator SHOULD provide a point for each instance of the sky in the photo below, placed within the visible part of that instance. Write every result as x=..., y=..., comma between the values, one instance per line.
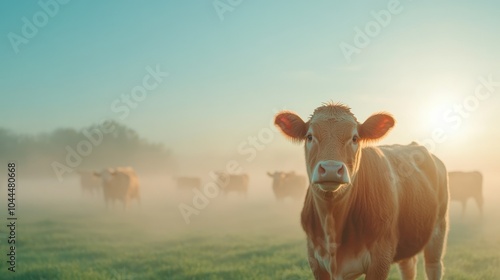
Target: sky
x=232, y=65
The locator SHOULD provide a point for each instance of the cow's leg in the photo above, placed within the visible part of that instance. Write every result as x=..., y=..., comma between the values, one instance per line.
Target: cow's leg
x=139, y=199
x=381, y=261
x=408, y=268
x=434, y=250
x=479, y=202
x=379, y=269
x=464, y=206
x=318, y=271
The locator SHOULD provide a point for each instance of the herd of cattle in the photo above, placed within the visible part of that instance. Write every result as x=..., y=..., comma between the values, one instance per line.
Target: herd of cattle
x=121, y=184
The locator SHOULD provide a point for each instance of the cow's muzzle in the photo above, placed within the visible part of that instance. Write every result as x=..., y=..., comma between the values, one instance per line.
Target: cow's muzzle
x=330, y=174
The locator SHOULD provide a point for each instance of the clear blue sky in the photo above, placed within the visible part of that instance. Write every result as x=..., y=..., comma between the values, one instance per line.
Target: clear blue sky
x=227, y=78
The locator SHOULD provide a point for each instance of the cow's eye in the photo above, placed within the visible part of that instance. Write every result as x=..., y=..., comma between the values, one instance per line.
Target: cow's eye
x=355, y=139
x=309, y=137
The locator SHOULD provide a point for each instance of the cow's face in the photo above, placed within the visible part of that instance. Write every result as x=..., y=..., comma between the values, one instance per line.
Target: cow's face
x=106, y=175
x=333, y=140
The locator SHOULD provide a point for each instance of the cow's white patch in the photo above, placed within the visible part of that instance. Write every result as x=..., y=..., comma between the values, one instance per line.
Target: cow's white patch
x=347, y=269
x=352, y=268
x=324, y=260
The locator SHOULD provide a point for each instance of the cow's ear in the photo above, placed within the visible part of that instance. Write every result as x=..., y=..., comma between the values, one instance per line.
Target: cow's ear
x=270, y=174
x=376, y=126
x=291, y=125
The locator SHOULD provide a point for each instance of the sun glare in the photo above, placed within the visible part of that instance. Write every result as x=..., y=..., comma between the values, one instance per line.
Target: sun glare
x=438, y=111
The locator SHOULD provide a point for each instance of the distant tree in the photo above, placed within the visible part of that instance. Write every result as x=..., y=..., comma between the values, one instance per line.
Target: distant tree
x=122, y=147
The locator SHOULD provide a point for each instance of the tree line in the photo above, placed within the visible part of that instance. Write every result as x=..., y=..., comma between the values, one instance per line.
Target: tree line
x=36, y=155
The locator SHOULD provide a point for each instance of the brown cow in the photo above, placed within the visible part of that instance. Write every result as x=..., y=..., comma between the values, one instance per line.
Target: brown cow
x=367, y=207
x=120, y=184
x=465, y=185
x=288, y=185
x=89, y=182
x=232, y=183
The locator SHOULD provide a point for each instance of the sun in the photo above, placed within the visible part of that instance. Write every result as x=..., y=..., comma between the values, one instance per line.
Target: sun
x=438, y=111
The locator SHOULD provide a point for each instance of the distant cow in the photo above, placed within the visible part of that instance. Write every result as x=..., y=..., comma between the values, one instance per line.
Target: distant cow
x=120, y=184
x=368, y=206
x=232, y=183
x=288, y=185
x=188, y=182
x=465, y=185
x=89, y=182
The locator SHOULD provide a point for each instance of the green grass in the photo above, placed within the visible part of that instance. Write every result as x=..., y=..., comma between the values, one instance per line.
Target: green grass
x=237, y=239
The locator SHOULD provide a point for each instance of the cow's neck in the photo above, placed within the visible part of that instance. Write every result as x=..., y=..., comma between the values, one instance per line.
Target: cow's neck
x=326, y=219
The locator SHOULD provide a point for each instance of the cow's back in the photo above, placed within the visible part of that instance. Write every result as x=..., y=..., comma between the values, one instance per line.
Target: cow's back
x=420, y=181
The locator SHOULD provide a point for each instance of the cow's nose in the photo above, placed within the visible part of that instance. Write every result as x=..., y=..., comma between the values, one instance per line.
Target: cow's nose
x=325, y=168
x=330, y=171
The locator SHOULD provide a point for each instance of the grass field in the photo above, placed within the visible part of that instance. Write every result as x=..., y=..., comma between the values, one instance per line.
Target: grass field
x=62, y=235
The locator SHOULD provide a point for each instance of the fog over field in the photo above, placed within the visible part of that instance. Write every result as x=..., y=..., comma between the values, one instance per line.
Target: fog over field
x=233, y=237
